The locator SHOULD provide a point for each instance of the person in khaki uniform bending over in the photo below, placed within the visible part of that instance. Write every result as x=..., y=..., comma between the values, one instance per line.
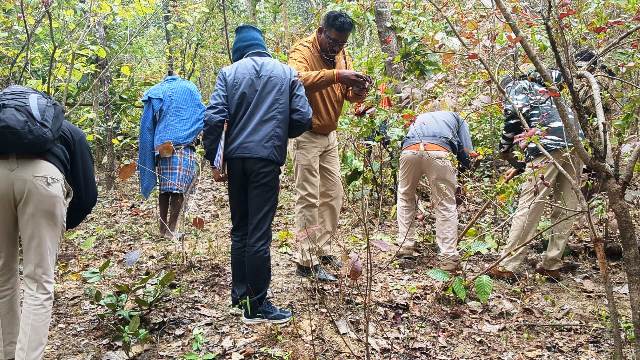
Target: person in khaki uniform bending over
x=328, y=78
x=543, y=179
x=427, y=151
x=41, y=196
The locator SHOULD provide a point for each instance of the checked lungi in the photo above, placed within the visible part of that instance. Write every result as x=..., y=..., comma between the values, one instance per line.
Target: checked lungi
x=176, y=173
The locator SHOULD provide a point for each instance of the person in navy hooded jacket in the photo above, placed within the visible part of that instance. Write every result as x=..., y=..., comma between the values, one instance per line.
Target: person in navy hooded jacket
x=264, y=105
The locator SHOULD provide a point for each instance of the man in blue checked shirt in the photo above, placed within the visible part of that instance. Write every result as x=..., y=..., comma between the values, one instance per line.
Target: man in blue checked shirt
x=171, y=121
x=264, y=104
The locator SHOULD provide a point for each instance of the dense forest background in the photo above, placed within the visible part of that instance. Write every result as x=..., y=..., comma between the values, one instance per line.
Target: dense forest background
x=97, y=57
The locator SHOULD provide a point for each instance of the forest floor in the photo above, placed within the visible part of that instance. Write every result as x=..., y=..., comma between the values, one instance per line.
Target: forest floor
x=410, y=317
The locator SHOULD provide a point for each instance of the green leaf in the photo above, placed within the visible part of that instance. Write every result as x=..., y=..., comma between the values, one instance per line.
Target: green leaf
x=101, y=52
x=439, y=275
x=483, y=287
x=134, y=324
x=92, y=275
x=97, y=296
x=123, y=288
x=209, y=356
x=88, y=243
x=125, y=70
x=191, y=356
x=167, y=279
x=104, y=265
x=458, y=288
x=141, y=302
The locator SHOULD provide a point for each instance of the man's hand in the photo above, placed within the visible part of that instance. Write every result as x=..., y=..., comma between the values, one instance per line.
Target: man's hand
x=218, y=175
x=353, y=79
x=511, y=173
x=359, y=94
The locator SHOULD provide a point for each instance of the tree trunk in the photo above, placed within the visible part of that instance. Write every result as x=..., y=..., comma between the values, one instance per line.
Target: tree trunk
x=107, y=119
x=388, y=38
x=631, y=253
x=166, y=20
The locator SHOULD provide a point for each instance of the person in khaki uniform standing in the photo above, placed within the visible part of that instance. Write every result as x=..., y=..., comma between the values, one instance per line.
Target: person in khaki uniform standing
x=326, y=72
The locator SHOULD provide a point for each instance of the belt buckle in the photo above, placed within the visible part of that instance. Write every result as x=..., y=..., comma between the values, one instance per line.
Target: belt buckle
x=422, y=147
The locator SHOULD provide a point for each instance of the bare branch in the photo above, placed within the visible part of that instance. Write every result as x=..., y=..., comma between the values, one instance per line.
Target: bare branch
x=628, y=172
x=25, y=47
x=53, y=50
x=566, y=73
x=619, y=79
x=613, y=44
x=570, y=126
x=525, y=125
x=535, y=236
x=226, y=28
x=597, y=101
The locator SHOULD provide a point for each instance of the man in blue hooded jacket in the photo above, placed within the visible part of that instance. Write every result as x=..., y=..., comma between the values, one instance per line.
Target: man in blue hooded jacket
x=264, y=104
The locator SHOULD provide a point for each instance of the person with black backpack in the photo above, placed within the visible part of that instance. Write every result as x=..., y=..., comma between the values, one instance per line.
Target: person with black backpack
x=529, y=98
x=433, y=140
x=47, y=186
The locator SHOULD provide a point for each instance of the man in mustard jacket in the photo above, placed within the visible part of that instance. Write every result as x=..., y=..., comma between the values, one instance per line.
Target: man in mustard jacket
x=328, y=78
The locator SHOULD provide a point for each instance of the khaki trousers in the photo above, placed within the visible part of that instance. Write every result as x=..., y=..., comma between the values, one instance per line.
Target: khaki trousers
x=442, y=179
x=318, y=194
x=531, y=204
x=33, y=203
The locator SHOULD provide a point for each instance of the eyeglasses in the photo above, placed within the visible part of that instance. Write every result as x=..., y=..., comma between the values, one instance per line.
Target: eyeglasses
x=335, y=43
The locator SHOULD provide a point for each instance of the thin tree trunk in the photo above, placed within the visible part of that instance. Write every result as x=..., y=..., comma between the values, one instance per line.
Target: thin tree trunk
x=166, y=20
x=631, y=253
x=388, y=38
x=107, y=120
x=226, y=29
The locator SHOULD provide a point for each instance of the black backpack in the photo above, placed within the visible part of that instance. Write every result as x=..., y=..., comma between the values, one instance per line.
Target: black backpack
x=30, y=121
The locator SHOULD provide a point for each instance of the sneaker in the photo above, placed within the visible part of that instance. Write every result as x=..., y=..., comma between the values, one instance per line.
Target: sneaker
x=331, y=261
x=267, y=313
x=316, y=272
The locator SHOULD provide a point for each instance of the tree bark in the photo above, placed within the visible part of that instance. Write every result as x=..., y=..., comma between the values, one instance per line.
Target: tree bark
x=388, y=38
x=631, y=253
x=107, y=119
x=166, y=20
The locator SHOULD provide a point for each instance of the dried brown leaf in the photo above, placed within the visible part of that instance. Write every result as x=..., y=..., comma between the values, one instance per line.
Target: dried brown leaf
x=127, y=171
x=198, y=223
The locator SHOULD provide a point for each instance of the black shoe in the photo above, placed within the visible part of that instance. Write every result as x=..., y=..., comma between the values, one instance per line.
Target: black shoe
x=331, y=260
x=316, y=272
x=267, y=313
